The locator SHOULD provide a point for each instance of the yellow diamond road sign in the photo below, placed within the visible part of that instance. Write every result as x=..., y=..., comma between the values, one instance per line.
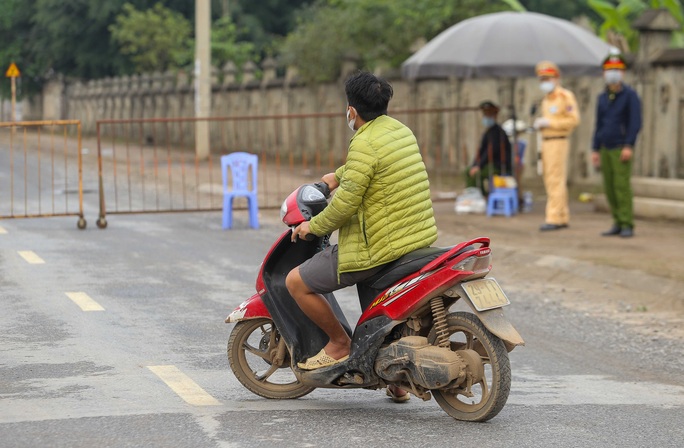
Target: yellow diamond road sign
x=12, y=71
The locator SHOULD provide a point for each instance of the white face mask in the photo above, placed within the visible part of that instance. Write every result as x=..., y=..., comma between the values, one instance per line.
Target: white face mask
x=612, y=76
x=350, y=122
x=547, y=86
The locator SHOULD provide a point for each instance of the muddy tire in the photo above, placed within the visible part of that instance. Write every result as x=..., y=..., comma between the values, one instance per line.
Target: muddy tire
x=251, y=347
x=490, y=395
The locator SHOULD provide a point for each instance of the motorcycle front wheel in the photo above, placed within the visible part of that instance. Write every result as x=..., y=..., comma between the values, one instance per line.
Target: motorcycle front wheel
x=252, y=347
x=488, y=395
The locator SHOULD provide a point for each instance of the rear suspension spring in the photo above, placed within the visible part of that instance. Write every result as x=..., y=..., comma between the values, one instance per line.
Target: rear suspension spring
x=439, y=322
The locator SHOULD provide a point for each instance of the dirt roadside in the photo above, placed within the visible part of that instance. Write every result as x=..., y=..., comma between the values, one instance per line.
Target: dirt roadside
x=638, y=281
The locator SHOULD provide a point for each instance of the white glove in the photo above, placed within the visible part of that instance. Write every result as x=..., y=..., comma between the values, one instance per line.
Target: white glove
x=541, y=123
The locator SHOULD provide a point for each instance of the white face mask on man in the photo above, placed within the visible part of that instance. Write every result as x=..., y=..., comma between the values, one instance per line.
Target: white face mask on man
x=350, y=121
x=613, y=76
x=547, y=86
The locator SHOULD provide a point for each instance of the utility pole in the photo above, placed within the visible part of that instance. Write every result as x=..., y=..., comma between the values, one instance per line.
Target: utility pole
x=202, y=76
x=14, y=98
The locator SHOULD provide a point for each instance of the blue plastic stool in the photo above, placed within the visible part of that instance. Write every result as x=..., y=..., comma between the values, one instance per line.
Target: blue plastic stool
x=503, y=201
x=241, y=165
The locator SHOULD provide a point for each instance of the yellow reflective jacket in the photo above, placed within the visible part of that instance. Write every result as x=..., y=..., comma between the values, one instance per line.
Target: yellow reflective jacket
x=560, y=108
x=382, y=207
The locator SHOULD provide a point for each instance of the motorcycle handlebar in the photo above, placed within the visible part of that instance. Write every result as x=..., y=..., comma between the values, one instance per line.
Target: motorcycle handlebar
x=323, y=188
x=308, y=237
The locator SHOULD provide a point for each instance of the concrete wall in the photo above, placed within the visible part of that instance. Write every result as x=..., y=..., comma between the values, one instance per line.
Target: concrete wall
x=659, y=151
x=661, y=147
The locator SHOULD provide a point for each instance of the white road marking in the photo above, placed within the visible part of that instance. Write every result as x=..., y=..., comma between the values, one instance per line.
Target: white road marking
x=531, y=389
x=84, y=301
x=135, y=397
x=185, y=387
x=31, y=257
x=2, y=231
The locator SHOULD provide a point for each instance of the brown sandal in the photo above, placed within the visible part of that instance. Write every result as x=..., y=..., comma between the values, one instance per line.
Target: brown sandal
x=398, y=398
x=322, y=359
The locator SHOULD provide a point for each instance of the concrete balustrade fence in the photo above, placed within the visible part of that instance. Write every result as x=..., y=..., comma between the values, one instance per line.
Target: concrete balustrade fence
x=656, y=72
x=660, y=149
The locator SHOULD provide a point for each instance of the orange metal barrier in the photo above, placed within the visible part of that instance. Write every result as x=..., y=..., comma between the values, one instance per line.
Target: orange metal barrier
x=40, y=169
x=150, y=166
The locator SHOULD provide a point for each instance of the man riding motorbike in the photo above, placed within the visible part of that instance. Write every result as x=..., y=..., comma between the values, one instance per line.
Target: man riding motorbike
x=382, y=209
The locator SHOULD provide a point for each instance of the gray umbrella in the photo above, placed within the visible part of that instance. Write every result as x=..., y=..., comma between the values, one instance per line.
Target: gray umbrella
x=507, y=44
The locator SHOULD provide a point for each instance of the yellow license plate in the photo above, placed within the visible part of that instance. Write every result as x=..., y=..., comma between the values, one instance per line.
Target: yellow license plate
x=485, y=294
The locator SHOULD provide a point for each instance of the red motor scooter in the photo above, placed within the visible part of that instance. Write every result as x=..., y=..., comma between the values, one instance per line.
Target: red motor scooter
x=404, y=337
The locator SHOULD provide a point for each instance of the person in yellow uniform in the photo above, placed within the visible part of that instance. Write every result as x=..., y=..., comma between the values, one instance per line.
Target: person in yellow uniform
x=559, y=116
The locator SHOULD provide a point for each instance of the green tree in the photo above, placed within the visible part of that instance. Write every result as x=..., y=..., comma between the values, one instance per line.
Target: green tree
x=49, y=37
x=224, y=45
x=265, y=23
x=46, y=37
x=16, y=34
x=382, y=31
x=563, y=9
x=618, y=17
x=72, y=37
x=155, y=39
x=161, y=39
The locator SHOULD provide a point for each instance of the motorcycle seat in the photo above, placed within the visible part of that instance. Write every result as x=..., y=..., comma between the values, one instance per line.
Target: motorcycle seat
x=403, y=266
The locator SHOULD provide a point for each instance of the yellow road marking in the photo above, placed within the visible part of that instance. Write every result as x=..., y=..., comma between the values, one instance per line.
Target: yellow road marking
x=182, y=385
x=2, y=231
x=31, y=257
x=84, y=301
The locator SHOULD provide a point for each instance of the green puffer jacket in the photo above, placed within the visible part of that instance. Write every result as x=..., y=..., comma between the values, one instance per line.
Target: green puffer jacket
x=382, y=207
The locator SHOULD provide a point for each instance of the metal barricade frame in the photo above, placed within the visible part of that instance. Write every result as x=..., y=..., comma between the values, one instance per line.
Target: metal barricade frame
x=33, y=155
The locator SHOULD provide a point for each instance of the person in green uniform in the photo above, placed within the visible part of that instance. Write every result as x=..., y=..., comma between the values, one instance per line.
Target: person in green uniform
x=618, y=122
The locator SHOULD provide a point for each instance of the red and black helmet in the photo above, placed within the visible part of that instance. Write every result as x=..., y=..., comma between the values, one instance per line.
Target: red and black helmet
x=304, y=203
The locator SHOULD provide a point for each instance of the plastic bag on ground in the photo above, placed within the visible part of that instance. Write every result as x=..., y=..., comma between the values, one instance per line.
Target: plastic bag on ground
x=470, y=201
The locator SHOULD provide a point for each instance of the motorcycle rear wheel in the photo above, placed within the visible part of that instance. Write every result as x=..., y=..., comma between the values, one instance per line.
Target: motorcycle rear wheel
x=491, y=393
x=251, y=346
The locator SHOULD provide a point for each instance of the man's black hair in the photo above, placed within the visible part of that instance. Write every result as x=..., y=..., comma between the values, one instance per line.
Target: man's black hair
x=368, y=94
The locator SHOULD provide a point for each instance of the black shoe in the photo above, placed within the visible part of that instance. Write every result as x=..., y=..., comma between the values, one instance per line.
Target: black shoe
x=615, y=230
x=547, y=227
x=626, y=232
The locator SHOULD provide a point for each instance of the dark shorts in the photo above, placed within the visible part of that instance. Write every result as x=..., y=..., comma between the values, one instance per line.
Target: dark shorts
x=320, y=272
